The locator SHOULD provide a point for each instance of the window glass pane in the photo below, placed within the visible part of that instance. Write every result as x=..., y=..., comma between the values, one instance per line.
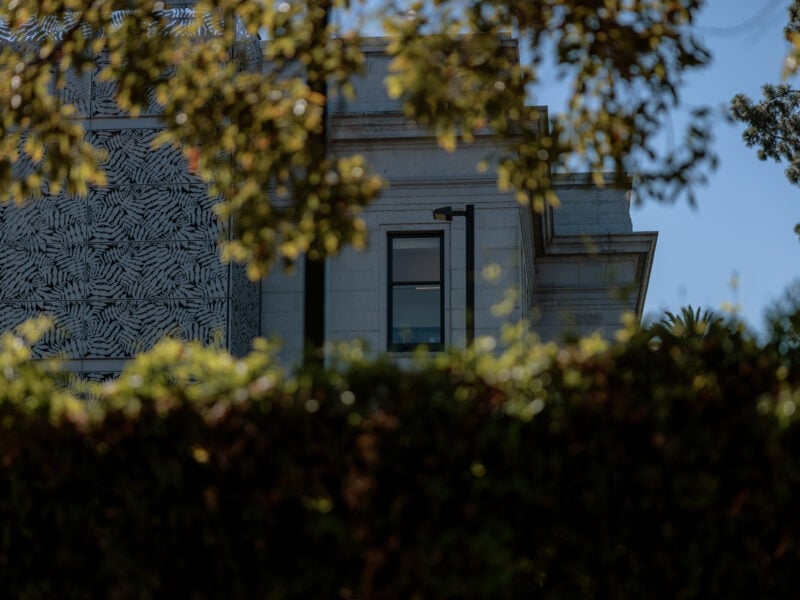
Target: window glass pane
x=416, y=318
x=415, y=259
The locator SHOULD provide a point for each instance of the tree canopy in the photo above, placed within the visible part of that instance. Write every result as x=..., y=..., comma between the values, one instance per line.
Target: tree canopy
x=773, y=122
x=242, y=86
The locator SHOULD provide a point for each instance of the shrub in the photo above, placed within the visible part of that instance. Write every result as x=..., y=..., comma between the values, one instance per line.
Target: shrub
x=658, y=466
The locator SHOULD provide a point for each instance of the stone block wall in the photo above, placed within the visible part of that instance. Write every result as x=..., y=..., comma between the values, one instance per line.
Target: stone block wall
x=588, y=209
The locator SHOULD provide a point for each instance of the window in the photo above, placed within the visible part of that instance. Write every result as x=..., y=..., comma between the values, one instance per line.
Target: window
x=416, y=291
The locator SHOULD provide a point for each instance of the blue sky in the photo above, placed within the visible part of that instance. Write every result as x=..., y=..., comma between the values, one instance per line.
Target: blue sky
x=742, y=227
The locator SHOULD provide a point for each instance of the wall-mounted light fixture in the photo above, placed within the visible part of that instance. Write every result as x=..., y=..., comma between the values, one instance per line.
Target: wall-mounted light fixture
x=446, y=213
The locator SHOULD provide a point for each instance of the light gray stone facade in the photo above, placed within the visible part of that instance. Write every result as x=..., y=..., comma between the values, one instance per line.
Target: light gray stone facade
x=589, y=266
x=575, y=269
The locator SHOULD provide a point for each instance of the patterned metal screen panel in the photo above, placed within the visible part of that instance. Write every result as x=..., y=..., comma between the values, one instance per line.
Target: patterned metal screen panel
x=178, y=15
x=133, y=261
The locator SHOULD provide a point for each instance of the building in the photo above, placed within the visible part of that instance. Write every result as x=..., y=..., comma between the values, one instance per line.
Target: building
x=574, y=269
x=137, y=259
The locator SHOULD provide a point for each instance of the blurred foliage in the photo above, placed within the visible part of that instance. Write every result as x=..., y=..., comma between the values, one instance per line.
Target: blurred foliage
x=622, y=62
x=663, y=465
x=250, y=115
x=773, y=123
x=783, y=318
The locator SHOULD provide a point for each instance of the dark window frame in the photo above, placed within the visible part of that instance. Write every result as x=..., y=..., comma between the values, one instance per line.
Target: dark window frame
x=395, y=346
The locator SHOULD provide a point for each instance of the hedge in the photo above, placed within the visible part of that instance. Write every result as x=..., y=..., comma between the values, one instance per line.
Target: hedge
x=661, y=465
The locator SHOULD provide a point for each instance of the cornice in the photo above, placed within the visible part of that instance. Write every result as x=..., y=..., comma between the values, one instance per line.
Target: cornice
x=640, y=245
